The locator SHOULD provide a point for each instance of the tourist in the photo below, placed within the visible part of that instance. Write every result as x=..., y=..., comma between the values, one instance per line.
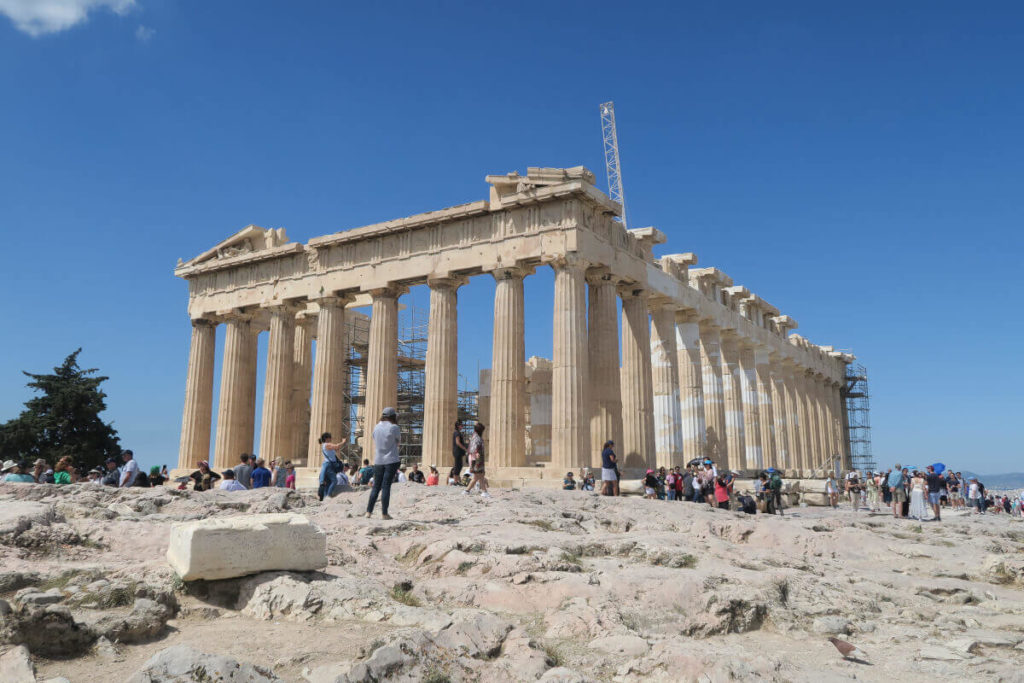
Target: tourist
x=896, y=483
x=330, y=467
x=41, y=472
x=722, y=492
x=670, y=485
x=129, y=471
x=342, y=482
x=761, y=488
x=609, y=478
x=204, y=477
x=243, y=471
x=660, y=488
x=883, y=488
x=17, y=472
x=650, y=485
x=229, y=482
x=260, y=475
x=706, y=476
x=872, y=489
x=401, y=477
x=935, y=484
x=95, y=476
x=476, y=461
x=433, y=477
x=774, y=492
x=156, y=476
x=588, y=480
x=569, y=483
x=686, y=484
x=289, y=479
x=831, y=492
x=112, y=476
x=416, y=476
x=279, y=474
x=62, y=473
x=365, y=473
x=918, y=490
x=458, y=452
x=386, y=438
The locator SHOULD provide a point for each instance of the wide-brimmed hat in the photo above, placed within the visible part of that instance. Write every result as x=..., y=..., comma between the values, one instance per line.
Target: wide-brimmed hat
x=8, y=465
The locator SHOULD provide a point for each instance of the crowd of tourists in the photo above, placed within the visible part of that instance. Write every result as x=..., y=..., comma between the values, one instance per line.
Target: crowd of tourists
x=117, y=472
x=919, y=494
x=250, y=473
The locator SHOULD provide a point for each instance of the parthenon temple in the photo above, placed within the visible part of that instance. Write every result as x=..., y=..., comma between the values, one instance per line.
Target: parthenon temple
x=708, y=368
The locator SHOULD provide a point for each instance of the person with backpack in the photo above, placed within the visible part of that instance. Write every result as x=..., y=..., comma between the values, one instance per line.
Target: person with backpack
x=774, y=492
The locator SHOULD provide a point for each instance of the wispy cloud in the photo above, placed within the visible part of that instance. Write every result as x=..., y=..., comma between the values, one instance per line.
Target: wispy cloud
x=144, y=33
x=39, y=17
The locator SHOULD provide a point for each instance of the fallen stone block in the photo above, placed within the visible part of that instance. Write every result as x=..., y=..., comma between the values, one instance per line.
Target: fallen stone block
x=16, y=666
x=238, y=546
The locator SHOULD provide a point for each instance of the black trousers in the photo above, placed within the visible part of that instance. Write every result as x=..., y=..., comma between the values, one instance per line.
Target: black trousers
x=383, y=475
x=774, y=502
x=457, y=468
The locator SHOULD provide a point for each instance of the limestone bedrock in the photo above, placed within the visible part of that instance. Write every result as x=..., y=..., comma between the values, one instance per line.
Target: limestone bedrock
x=238, y=546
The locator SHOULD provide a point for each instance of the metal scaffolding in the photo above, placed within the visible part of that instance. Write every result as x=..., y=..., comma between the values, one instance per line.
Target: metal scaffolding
x=858, y=418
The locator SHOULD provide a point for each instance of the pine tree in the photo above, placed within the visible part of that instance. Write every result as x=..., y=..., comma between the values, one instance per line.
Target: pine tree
x=63, y=420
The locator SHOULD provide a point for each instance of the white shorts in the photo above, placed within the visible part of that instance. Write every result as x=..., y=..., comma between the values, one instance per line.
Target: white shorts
x=608, y=474
x=649, y=491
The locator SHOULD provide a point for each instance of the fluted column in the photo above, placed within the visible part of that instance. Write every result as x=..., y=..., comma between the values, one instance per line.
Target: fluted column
x=844, y=426
x=236, y=414
x=570, y=417
x=605, y=376
x=691, y=391
x=813, y=428
x=823, y=421
x=276, y=425
x=732, y=393
x=751, y=408
x=765, y=406
x=197, y=415
x=804, y=419
x=508, y=371
x=302, y=378
x=715, y=444
x=795, y=426
x=327, y=405
x=381, y=358
x=780, y=414
x=637, y=383
x=441, y=396
x=668, y=434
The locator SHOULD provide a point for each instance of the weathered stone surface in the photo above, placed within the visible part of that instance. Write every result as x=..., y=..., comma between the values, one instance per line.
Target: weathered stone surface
x=50, y=631
x=16, y=666
x=831, y=625
x=180, y=664
x=146, y=620
x=238, y=546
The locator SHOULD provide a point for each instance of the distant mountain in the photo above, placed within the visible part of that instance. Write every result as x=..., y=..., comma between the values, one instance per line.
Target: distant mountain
x=1013, y=480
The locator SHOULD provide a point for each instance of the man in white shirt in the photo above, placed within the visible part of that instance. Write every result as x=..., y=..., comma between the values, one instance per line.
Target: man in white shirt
x=130, y=469
x=386, y=437
x=229, y=483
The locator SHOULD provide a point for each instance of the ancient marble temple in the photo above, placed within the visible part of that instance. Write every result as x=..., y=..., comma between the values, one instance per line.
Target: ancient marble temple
x=708, y=368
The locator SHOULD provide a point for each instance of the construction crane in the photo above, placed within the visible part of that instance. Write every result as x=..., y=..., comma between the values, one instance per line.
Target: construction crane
x=611, y=157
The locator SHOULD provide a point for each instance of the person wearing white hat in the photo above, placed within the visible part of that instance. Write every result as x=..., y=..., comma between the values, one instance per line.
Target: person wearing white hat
x=16, y=472
x=386, y=437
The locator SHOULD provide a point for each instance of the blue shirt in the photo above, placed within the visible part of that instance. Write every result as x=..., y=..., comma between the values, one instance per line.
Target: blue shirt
x=896, y=479
x=260, y=477
x=606, y=460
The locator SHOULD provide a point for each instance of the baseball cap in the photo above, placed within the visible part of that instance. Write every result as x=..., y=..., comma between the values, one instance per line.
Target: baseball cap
x=389, y=412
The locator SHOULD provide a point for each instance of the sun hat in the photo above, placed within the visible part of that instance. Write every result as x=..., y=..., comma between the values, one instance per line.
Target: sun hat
x=8, y=465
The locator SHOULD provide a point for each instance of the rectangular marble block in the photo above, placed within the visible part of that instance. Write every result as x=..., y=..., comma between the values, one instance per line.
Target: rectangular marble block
x=238, y=546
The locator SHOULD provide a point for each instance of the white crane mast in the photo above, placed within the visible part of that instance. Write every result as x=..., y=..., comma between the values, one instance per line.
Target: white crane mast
x=611, y=157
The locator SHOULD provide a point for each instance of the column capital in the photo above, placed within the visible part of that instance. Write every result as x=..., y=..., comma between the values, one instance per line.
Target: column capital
x=515, y=271
x=446, y=281
x=632, y=290
x=391, y=291
x=570, y=261
x=659, y=302
x=204, y=322
x=235, y=315
x=333, y=299
x=292, y=306
x=687, y=315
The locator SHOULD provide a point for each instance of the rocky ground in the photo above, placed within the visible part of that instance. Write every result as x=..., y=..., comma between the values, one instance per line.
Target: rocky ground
x=550, y=585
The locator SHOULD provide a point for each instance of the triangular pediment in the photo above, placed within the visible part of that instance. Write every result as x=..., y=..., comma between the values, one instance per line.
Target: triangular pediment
x=250, y=239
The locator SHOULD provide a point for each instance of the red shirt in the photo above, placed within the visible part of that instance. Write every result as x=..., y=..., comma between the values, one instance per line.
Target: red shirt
x=721, y=492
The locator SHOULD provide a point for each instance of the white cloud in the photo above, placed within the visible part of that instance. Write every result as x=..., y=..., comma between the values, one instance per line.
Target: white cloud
x=39, y=17
x=144, y=33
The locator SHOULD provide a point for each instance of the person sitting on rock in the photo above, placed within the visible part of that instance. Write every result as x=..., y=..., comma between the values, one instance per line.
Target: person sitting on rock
x=650, y=485
x=204, y=477
x=17, y=472
x=569, y=483
x=433, y=478
x=230, y=483
x=416, y=476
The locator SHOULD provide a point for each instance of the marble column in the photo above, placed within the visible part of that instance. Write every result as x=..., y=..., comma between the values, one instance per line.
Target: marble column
x=795, y=425
x=691, y=392
x=844, y=425
x=198, y=413
x=236, y=414
x=715, y=444
x=441, y=395
x=381, y=359
x=804, y=419
x=302, y=379
x=780, y=413
x=751, y=408
x=732, y=393
x=276, y=425
x=605, y=376
x=824, y=441
x=327, y=405
x=668, y=434
x=637, y=382
x=765, y=406
x=570, y=415
x=814, y=455
x=507, y=429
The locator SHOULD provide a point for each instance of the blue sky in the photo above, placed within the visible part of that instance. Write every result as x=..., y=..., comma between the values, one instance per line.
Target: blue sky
x=857, y=166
